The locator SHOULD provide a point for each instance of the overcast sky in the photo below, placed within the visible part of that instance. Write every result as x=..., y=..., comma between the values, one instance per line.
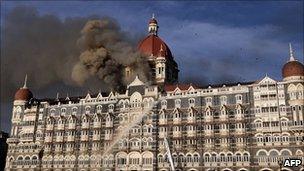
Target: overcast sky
x=212, y=42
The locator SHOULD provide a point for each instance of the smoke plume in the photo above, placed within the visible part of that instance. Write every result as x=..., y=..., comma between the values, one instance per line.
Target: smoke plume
x=105, y=54
x=75, y=52
x=70, y=56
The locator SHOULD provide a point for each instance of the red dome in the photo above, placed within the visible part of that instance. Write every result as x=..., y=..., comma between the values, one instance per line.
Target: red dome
x=23, y=94
x=293, y=68
x=152, y=44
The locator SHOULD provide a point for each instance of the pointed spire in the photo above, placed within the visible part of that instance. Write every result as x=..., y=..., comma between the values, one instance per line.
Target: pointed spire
x=25, y=82
x=57, y=96
x=291, y=57
x=153, y=16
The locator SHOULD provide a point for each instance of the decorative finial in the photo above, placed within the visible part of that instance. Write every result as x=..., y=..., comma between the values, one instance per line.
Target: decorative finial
x=291, y=53
x=266, y=75
x=25, y=81
x=57, y=96
x=153, y=27
x=161, y=47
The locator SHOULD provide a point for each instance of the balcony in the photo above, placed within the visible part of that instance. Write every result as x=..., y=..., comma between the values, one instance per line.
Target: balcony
x=12, y=140
x=191, y=133
x=177, y=120
x=162, y=121
x=84, y=137
x=72, y=126
x=85, y=125
x=48, y=139
x=70, y=138
x=96, y=125
x=177, y=134
x=60, y=127
x=96, y=137
x=49, y=127
x=191, y=120
x=59, y=139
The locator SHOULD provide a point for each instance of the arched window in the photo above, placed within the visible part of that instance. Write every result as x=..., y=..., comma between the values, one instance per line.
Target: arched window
x=74, y=110
x=246, y=157
x=189, y=158
x=98, y=109
x=208, y=101
x=191, y=102
x=238, y=157
x=195, y=158
x=63, y=110
x=177, y=103
x=223, y=100
x=164, y=104
x=207, y=158
x=238, y=98
x=229, y=157
x=222, y=158
x=87, y=109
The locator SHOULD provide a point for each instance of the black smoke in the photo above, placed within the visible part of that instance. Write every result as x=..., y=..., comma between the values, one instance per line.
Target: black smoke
x=51, y=51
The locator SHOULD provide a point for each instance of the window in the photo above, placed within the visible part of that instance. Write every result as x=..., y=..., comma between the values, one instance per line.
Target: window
x=87, y=109
x=63, y=110
x=164, y=104
x=238, y=98
x=191, y=102
x=208, y=101
x=74, y=110
x=111, y=106
x=223, y=100
x=177, y=103
x=99, y=108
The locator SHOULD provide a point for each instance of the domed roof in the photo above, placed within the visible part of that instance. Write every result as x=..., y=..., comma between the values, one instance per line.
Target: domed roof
x=23, y=94
x=153, y=20
x=152, y=45
x=293, y=68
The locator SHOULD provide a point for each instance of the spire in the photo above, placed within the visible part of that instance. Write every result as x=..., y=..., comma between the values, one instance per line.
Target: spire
x=25, y=82
x=57, y=96
x=291, y=57
x=153, y=17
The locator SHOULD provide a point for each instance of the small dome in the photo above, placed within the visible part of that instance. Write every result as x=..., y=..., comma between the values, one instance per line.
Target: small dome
x=153, y=21
x=293, y=68
x=23, y=94
x=152, y=45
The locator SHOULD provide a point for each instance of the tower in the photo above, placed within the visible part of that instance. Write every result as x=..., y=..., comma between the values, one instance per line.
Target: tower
x=293, y=76
x=22, y=97
x=164, y=67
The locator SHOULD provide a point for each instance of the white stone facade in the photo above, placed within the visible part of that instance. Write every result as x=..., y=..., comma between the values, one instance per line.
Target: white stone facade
x=234, y=127
x=247, y=126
